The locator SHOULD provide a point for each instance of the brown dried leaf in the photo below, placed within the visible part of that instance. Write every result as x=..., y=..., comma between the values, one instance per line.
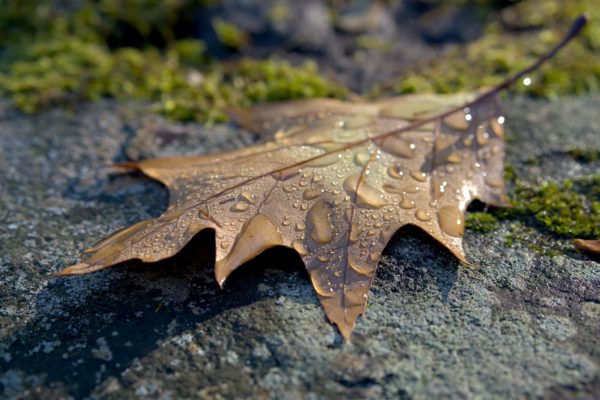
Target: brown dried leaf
x=335, y=184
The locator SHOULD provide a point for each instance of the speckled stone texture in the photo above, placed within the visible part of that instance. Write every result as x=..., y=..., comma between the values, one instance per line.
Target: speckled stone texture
x=524, y=325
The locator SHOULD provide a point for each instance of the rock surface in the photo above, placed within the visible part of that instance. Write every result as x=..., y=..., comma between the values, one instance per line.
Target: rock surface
x=524, y=325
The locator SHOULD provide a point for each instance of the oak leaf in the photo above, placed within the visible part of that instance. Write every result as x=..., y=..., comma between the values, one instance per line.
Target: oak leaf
x=338, y=180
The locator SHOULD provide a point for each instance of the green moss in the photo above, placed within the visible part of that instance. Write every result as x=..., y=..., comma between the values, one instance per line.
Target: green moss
x=481, y=222
x=62, y=70
x=570, y=208
x=584, y=155
x=510, y=173
x=528, y=29
x=562, y=210
x=229, y=35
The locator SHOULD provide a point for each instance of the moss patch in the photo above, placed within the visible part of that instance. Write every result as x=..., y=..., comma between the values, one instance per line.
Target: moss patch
x=61, y=56
x=584, y=155
x=561, y=210
x=179, y=80
x=569, y=208
x=525, y=31
x=481, y=222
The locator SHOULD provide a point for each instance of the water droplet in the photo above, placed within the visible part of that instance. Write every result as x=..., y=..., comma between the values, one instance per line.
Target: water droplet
x=451, y=220
x=406, y=203
x=391, y=188
x=395, y=171
x=482, y=135
x=457, y=121
x=419, y=176
x=360, y=268
x=497, y=126
x=361, y=158
x=527, y=81
x=422, y=215
x=240, y=206
x=288, y=188
x=247, y=196
x=454, y=158
x=319, y=219
x=300, y=226
x=323, y=258
x=397, y=147
x=321, y=283
x=311, y=194
x=374, y=257
x=410, y=189
x=366, y=196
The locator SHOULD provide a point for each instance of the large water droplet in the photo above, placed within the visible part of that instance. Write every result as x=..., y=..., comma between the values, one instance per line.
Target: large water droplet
x=391, y=188
x=319, y=219
x=422, y=215
x=496, y=125
x=397, y=147
x=482, y=135
x=407, y=203
x=366, y=196
x=361, y=158
x=247, y=196
x=457, y=120
x=313, y=193
x=454, y=158
x=361, y=268
x=419, y=176
x=240, y=206
x=451, y=220
x=395, y=171
x=321, y=283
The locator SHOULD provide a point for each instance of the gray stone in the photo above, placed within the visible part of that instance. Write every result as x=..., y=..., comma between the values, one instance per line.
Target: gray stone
x=524, y=325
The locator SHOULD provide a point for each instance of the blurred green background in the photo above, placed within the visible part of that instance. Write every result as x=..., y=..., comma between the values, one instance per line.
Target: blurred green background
x=190, y=58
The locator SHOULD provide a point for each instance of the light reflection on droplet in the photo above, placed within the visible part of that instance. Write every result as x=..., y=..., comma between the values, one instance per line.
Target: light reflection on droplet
x=527, y=81
x=501, y=120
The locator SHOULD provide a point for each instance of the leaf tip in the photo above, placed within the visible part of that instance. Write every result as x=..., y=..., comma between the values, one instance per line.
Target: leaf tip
x=77, y=269
x=127, y=165
x=220, y=275
x=346, y=331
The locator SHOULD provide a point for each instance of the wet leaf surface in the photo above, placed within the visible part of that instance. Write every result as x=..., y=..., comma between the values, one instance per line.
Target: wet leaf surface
x=338, y=180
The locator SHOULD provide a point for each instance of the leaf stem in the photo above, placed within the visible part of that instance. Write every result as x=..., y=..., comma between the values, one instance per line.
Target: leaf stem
x=577, y=26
